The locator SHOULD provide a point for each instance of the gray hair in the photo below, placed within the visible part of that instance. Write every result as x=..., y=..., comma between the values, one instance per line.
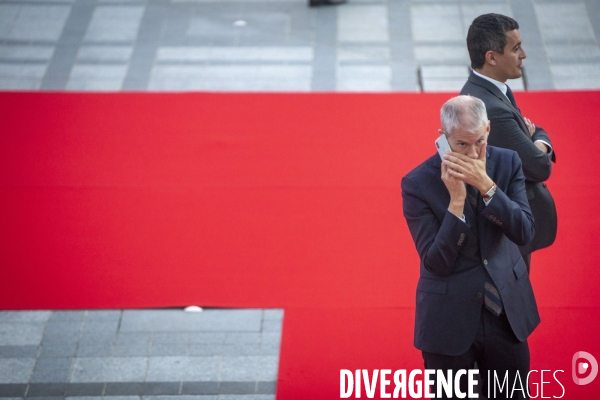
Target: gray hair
x=466, y=113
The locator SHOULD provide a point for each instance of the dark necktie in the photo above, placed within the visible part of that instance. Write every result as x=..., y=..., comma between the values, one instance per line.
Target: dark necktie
x=491, y=298
x=511, y=97
x=472, y=197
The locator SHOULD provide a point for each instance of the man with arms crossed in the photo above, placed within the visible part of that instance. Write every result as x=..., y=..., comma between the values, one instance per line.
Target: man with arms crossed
x=466, y=216
x=496, y=53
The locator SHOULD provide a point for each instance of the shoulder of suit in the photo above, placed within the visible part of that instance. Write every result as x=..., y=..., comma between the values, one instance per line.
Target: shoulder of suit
x=427, y=167
x=495, y=107
x=501, y=153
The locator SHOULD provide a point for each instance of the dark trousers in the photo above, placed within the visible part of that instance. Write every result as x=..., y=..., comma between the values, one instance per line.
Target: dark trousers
x=495, y=349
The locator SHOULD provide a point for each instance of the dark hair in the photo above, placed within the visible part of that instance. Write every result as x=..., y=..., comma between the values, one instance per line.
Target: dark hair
x=488, y=32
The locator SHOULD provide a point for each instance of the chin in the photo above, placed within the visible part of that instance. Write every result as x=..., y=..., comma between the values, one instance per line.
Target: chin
x=518, y=74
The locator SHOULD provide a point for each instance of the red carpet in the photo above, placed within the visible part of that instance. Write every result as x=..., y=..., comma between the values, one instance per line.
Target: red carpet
x=269, y=200
x=318, y=342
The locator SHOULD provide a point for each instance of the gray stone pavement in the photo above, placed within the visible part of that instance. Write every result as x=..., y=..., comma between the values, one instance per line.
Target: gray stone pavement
x=215, y=354
x=282, y=45
x=236, y=45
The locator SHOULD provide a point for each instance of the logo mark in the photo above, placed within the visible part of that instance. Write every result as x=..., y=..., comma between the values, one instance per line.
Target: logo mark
x=581, y=367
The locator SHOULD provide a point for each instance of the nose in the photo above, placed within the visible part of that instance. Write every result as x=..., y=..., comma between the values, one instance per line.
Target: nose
x=523, y=54
x=473, y=152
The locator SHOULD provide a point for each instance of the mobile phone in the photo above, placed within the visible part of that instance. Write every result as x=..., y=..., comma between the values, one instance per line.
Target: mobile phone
x=442, y=145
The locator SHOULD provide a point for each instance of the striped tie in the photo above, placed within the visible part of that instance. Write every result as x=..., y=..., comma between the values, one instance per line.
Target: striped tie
x=492, y=298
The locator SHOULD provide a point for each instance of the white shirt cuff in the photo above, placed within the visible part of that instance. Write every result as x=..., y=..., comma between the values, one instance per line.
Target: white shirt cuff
x=546, y=143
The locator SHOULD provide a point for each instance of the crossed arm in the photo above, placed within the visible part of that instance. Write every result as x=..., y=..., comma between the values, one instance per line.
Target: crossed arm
x=506, y=132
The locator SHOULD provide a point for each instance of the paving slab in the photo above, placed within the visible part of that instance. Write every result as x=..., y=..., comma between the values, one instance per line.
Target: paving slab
x=21, y=333
x=191, y=369
x=107, y=369
x=206, y=321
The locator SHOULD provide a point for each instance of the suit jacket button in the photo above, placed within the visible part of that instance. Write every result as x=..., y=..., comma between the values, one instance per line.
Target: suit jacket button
x=491, y=217
x=462, y=235
x=479, y=295
x=485, y=262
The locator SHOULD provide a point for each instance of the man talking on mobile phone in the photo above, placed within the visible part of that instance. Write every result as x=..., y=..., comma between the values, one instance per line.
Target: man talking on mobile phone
x=467, y=214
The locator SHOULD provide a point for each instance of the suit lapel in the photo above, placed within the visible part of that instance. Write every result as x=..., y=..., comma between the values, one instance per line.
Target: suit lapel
x=490, y=166
x=440, y=189
x=471, y=218
x=489, y=169
x=493, y=89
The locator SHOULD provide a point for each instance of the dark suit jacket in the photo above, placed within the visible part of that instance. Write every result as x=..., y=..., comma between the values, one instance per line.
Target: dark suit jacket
x=455, y=255
x=508, y=130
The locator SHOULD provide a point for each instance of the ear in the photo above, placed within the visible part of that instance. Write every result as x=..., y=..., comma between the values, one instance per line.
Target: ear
x=440, y=132
x=490, y=57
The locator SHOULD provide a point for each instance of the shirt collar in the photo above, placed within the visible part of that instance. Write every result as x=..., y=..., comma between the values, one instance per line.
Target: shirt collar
x=498, y=84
